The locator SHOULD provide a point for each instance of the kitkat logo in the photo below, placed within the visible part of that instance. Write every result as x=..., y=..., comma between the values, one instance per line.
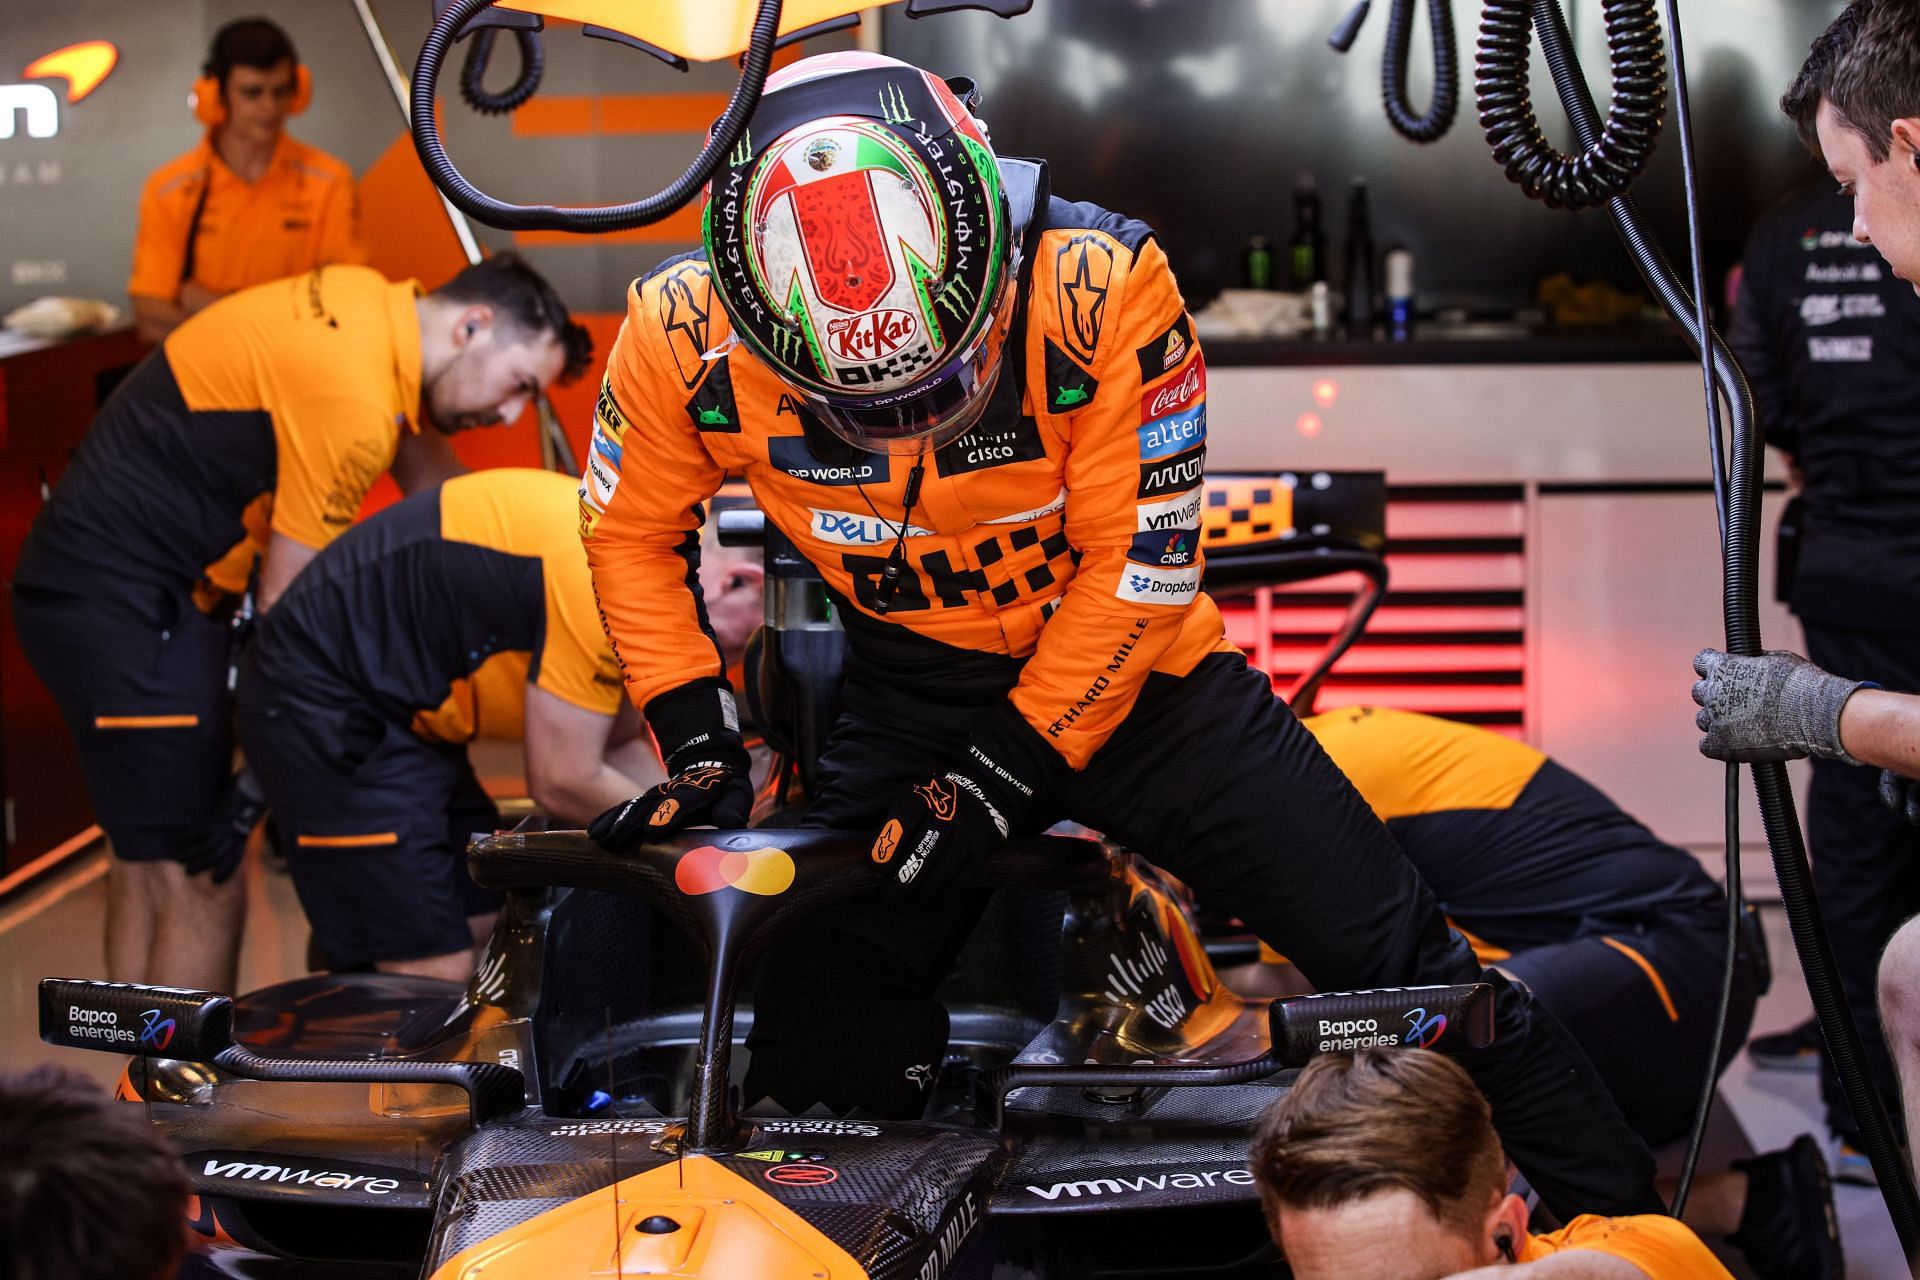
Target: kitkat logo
x=873, y=335
x=708, y=869
x=1176, y=396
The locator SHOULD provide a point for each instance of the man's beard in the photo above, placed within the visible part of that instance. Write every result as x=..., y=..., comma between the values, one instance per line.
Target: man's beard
x=448, y=424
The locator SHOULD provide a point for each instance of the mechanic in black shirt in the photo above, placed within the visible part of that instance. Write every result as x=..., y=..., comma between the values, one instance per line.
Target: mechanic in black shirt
x=1830, y=339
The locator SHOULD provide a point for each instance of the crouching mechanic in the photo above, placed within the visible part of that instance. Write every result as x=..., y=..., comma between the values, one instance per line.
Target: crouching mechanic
x=980, y=412
x=460, y=613
x=1621, y=935
x=1383, y=1165
x=251, y=434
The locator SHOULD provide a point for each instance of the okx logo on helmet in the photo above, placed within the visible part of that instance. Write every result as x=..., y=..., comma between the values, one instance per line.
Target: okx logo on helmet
x=859, y=241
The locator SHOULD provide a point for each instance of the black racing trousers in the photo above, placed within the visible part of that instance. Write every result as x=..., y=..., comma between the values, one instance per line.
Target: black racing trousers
x=1212, y=778
x=1866, y=858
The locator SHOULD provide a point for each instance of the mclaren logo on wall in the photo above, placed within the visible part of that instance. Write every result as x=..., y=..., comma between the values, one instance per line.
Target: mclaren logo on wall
x=33, y=109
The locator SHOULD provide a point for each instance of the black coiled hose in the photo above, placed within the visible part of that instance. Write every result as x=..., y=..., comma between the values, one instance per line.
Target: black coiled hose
x=1607, y=165
x=473, y=72
x=469, y=199
x=1740, y=542
x=1446, y=72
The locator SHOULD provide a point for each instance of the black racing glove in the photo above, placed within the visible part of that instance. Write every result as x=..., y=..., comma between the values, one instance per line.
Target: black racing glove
x=951, y=823
x=1902, y=795
x=1777, y=706
x=708, y=769
x=217, y=845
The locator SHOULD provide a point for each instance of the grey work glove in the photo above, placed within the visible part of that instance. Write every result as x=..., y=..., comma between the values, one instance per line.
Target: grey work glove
x=1902, y=795
x=1775, y=707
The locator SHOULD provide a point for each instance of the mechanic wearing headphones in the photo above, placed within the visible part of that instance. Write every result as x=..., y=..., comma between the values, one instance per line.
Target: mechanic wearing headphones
x=462, y=612
x=1620, y=935
x=252, y=433
x=248, y=204
x=1382, y=1164
x=1011, y=547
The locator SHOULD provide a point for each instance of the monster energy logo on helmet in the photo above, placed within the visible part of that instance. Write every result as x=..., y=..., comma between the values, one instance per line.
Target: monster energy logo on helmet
x=863, y=250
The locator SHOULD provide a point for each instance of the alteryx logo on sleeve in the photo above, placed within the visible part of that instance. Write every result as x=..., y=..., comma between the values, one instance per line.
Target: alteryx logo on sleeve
x=1171, y=549
x=1171, y=434
x=1180, y=512
x=852, y=529
x=1140, y=584
x=791, y=455
x=1171, y=475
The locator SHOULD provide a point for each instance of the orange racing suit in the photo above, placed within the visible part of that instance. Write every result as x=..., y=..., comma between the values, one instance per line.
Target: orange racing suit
x=1063, y=529
x=1052, y=562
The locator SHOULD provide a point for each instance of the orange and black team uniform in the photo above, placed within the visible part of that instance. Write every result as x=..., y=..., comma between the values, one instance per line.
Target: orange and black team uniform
x=415, y=633
x=1662, y=1247
x=272, y=411
x=202, y=222
x=1052, y=566
x=1621, y=935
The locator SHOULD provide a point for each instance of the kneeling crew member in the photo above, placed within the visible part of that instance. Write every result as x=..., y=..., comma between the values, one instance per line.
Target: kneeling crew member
x=980, y=413
x=1621, y=935
x=253, y=432
x=464, y=612
x=1383, y=1165
x=249, y=204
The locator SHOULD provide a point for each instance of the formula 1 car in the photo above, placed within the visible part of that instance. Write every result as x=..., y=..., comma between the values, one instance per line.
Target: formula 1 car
x=572, y=1111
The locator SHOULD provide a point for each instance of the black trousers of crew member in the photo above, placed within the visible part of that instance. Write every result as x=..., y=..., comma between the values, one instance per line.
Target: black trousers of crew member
x=1212, y=778
x=1640, y=999
x=1866, y=858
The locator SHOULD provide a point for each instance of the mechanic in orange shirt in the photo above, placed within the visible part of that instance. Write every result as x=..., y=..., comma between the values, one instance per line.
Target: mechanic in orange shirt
x=234, y=452
x=980, y=413
x=463, y=612
x=248, y=204
x=1382, y=1164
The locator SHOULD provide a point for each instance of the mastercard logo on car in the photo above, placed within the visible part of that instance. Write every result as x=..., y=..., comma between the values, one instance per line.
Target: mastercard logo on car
x=709, y=869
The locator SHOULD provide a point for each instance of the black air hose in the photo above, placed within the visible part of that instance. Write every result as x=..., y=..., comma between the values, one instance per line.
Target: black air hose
x=469, y=199
x=1503, y=84
x=473, y=72
x=1446, y=72
x=1614, y=157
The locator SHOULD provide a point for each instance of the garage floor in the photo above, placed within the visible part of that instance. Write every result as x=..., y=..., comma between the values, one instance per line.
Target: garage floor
x=56, y=932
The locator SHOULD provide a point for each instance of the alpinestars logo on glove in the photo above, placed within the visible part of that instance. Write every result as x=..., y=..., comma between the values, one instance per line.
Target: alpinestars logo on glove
x=886, y=842
x=940, y=797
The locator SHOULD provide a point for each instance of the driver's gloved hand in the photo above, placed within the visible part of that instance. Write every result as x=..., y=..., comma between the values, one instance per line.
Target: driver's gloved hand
x=216, y=847
x=952, y=822
x=1775, y=707
x=708, y=769
x=1900, y=794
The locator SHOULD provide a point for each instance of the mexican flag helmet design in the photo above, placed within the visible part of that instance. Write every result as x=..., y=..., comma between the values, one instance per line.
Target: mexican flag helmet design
x=860, y=242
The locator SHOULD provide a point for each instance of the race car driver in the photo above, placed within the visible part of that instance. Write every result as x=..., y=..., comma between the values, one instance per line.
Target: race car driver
x=462, y=612
x=252, y=433
x=1620, y=935
x=980, y=412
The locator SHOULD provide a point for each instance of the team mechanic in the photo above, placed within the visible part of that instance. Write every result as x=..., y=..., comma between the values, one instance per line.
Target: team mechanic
x=254, y=431
x=463, y=612
x=1010, y=545
x=1621, y=935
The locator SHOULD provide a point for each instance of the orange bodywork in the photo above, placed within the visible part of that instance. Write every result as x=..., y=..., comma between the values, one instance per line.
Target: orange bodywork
x=727, y=1226
x=703, y=30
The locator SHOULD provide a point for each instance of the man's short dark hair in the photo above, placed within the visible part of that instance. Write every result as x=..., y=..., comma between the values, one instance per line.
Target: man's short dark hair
x=248, y=42
x=1380, y=1120
x=1867, y=65
x=88, y=1190
x=522, y=295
